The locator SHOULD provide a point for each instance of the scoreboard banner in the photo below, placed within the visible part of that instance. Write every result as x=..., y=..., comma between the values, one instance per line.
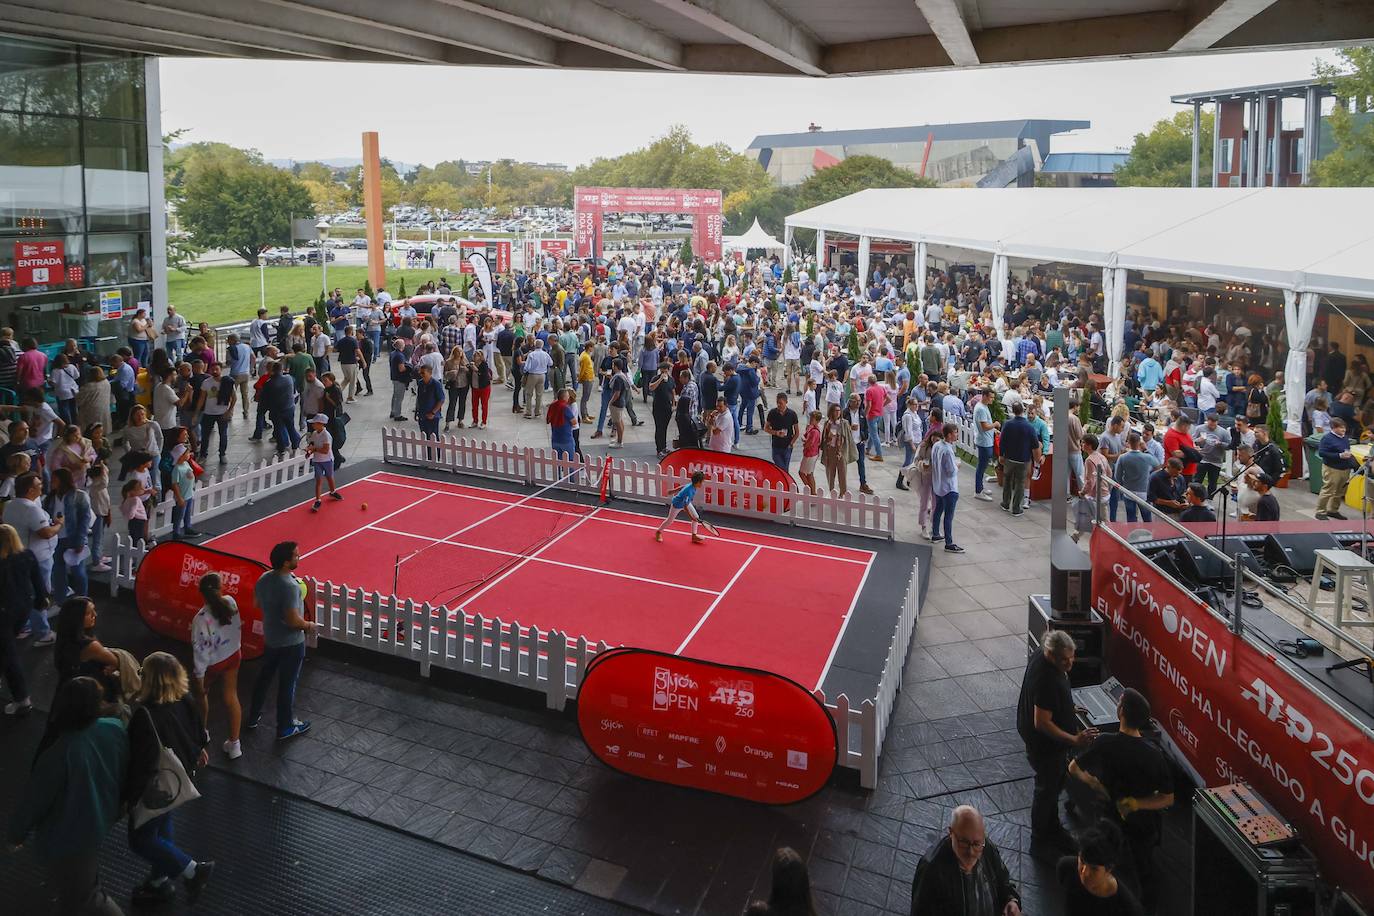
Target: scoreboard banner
x=1237, y=714
x=734, y=731
x=167, y=590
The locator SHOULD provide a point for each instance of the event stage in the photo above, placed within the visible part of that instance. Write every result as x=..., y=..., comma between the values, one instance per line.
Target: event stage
x=819, y=609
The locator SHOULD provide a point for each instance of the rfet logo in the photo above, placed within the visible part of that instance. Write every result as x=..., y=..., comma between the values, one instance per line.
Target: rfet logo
x=673, y=691
x=1182, y=731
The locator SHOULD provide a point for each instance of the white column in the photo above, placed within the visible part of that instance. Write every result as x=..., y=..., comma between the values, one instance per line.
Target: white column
x=820, y=251
x=1001, y=279
x=1216, y=144
x=1114, y=314
x=1262, y=144
x=1299, y=315
x=922, y=256
x=787, y=247
x=157, y=201
x=865, y=244
x=1197, y=139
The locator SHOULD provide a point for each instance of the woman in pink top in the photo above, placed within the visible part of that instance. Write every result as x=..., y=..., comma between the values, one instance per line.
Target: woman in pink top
x=875, y=397
x=811, y=451
x=31, y=371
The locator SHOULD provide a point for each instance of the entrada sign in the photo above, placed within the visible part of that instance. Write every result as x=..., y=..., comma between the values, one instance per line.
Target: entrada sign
x=39, y=263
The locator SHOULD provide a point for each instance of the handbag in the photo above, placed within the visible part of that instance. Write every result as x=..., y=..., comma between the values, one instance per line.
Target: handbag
x=167, y=789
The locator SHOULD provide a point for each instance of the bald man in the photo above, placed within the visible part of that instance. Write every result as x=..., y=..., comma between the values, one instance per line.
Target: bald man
x=963, y=873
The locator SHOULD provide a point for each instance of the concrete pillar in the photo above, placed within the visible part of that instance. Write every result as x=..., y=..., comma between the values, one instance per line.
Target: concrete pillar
x=1216, y=144
x=1197, y=139
x=1251, y=143
x=1311, y=130
x=372, y=203
x=157, y=201
x=1262, y=143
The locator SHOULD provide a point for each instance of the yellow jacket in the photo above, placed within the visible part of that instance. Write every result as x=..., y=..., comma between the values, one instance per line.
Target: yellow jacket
x=586, y=372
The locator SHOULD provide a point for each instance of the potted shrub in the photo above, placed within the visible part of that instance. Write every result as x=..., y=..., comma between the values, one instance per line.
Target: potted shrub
x=1278, y=434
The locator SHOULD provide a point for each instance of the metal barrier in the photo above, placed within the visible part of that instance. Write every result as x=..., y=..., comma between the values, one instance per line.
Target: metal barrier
x=637, y=481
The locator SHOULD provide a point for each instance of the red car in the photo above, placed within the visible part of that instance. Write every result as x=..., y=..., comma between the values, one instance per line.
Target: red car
x=600, y=267
x=424, y=305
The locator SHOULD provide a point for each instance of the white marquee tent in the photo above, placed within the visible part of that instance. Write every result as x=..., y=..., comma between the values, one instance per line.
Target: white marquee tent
x=1303, y=242
x=755, y=237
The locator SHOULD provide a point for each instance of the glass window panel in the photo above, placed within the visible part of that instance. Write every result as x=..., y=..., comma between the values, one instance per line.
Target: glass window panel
x=40, y=174
x=73, y=272
x=119, y=257
x=112, y=85
x=37, y=77
x=116, y=175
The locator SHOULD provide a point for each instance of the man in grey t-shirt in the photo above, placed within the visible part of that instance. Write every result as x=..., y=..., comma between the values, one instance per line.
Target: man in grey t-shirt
x=279, y=597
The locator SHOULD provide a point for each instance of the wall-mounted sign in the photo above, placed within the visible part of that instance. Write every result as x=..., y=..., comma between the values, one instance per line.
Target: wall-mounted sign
x=39, y=263
x=111, y=303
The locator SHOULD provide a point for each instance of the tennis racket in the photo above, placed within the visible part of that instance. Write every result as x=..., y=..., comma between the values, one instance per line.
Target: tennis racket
x=707, y=525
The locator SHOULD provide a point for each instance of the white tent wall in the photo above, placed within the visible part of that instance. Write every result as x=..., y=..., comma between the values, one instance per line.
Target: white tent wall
x=865, y=250
x=1114, y=315
x=1001, y=279
x=820, y=250
x=922, y=257
x=1299, y=314
x=786, y=247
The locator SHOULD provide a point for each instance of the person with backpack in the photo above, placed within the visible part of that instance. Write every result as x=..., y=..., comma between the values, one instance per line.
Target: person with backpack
x=217, y=399
x=165, y=716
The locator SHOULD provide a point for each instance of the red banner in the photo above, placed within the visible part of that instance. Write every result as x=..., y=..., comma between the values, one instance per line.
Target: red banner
x=735, y=731
x=497, y=252
x=1236, y=714
x=167, y=590
x=703, y=205
x=729, y=467
x=39, y=263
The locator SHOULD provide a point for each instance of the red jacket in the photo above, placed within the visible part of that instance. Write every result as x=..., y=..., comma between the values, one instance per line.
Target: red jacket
x=1173, y=442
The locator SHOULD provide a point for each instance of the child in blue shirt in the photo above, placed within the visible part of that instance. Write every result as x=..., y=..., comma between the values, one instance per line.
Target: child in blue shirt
x=682, y=500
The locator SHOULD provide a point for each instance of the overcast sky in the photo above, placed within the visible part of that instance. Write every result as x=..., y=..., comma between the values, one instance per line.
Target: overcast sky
x=313, y=110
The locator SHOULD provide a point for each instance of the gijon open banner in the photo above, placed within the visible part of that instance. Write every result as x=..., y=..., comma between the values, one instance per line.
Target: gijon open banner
x=1236, y=714
x=167, y=590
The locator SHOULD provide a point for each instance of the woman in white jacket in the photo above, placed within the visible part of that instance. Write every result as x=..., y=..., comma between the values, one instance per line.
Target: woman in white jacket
x=217, y=651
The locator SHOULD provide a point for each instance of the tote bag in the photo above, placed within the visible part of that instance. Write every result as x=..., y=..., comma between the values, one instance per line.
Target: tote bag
x=169, y=788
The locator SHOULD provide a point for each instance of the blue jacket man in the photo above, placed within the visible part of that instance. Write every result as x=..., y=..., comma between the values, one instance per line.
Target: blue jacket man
x=1337, y=463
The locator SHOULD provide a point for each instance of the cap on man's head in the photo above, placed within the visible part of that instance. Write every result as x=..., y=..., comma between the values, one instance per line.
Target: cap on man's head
x=319, y=418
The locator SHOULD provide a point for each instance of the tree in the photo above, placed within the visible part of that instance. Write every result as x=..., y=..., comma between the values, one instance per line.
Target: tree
x=684, y=254
x=245, y=208
x=772, y=206
x=1350, y=162
x=854, y=351
x=1163, y=157
x=401, y=293
x=674, y=161
x=327, y=198
x=1278, y=431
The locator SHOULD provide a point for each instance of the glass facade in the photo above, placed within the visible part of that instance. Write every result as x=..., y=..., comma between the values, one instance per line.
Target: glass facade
x=74, y=192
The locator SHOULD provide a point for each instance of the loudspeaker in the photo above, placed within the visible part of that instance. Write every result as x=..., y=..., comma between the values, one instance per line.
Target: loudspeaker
x=1071, y=577
x=1297, y=551
x=1201, y=567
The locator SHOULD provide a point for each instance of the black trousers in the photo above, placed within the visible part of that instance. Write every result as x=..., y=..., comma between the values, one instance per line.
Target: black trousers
x=687, y=433
x=457, y=404
x=1051, y=770
x=661, y=421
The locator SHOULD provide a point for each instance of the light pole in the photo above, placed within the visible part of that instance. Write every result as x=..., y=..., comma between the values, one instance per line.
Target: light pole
x=322, y=232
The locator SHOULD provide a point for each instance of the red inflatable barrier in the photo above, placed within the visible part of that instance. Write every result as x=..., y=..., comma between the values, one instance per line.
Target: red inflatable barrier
x=735, y=731
x=727, y=467
x=168, y=594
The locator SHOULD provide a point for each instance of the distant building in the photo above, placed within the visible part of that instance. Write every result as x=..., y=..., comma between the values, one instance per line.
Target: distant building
x=1082, y=170
x=1290, y=121
x=959, y=154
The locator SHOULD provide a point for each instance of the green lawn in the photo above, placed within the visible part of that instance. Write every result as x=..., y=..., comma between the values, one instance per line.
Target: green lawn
x=224, y=295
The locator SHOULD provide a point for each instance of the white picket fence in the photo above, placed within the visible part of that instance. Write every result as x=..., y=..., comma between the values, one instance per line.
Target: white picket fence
x=552, y=663
x=212, y=498
x=638, y=481
x=216, y=497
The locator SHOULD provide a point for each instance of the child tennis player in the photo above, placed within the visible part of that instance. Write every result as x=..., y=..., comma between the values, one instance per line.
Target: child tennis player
x=682, y=501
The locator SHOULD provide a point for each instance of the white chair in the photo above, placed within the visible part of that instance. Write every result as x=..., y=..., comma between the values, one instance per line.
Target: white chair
x=1347, y=569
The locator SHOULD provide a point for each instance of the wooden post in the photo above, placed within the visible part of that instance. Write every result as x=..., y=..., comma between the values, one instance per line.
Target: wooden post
x=372, y=203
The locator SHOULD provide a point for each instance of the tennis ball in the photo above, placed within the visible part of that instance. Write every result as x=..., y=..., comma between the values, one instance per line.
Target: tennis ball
x=363, y=507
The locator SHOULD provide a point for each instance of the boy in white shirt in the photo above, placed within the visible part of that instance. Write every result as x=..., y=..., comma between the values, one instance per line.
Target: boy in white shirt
x=320, y=448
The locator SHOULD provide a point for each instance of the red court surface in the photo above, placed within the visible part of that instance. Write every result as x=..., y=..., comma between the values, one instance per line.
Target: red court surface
x=758, y=600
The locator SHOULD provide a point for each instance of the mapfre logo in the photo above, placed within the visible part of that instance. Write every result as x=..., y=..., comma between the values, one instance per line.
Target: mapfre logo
x=1182, y=731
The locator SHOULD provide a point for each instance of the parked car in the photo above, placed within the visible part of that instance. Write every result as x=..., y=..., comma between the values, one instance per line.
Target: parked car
x=425, y=304
x=357, y=243
x=313, y=256
x=600, y=267
x=275, y=257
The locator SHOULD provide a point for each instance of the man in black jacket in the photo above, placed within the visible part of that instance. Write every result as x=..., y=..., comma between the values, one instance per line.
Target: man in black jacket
x=963, y=873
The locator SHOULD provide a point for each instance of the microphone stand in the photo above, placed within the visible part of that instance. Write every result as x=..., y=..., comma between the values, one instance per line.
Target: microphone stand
x=1226, y=487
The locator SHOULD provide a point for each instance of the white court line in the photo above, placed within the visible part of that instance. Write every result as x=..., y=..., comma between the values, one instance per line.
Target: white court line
x=350, y=534
x=508, y=553
x=308, y=499
x=646, y=526
x=848, y=615
x=494, y=582
x=712, y=607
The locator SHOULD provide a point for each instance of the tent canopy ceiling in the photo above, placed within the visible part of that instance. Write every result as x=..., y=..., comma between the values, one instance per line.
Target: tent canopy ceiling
x=1313, y=239
x=756, y=237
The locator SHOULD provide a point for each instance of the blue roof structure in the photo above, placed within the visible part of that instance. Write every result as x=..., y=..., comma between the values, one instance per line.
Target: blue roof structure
x=1083, y=163
x=976, y=130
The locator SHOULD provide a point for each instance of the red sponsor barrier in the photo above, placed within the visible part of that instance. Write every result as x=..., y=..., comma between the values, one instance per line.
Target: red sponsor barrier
x=1236, y=714
x=735, y=731
x=702, y=204
x=497, y=252
x=728, y=467
x=168, y=594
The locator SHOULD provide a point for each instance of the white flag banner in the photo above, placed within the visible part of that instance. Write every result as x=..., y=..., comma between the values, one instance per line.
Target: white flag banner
x=482, y=271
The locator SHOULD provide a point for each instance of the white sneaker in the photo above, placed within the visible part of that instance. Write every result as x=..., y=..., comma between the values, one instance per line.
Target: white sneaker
x=102, y=568
x=233, y=750
x=47, y=640
x=985, y=496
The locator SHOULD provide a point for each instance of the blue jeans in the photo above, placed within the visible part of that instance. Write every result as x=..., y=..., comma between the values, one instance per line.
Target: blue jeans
x=605, y=407
x=746, y=410
x=944, y=507
x=984, y=459
x=64, y=576
x=155, y=842
x=140, y=349
x=181, y=518
x=284, y=430
x=875, y=435
x=176, y=349
x=375, y=335
x=67, y=410
x=908, y=454
x=782, y=455
x=734, y=415
x=863, y=478
x=1131, y=507
x=97, y=539
x=38, y=619
x=284, y=663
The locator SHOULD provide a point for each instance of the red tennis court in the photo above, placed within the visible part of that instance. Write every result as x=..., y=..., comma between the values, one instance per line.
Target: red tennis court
x=764, y=601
